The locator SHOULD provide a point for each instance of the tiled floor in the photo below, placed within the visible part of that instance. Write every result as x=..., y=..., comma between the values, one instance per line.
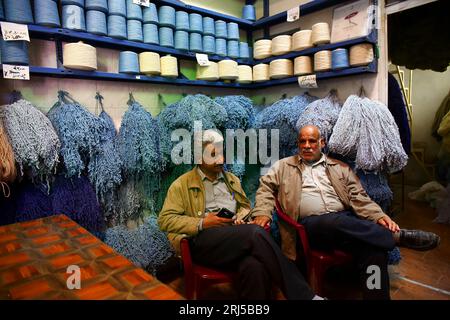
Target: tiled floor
x=420, y=275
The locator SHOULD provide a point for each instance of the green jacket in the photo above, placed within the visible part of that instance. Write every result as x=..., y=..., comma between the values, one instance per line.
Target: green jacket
x=185, y=204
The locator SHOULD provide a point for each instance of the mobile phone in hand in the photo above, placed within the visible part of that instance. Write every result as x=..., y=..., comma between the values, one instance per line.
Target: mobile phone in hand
x=225, y=213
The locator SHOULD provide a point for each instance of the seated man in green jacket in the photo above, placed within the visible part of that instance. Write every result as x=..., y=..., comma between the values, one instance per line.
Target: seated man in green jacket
x=190, y=210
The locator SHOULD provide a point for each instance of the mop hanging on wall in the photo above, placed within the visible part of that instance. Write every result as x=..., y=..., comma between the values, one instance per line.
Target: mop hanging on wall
x=33, y=139
x=79, y=130
x=367, y=132
x=322, y=113
x=146, y=246
x=283, y=115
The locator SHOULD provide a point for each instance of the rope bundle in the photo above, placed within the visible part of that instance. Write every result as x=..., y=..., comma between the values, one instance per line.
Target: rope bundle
x=209, y=26
x=169, y=66
x=302, y=40
x=262, y=49
x=228, y=70
x=33, y=139
x=322, y=60
x=150, y=14
x=261, y=72
x=151, y=33
x=361, y=54
x=320, y=33
x=8, y=170
x=367, y=131
x=146, y=246
x=18, y=11
x=281, y=45
x=96, y=22
x=117, y=27
x=137, y=142
x=78, y=130
x=240, y=111
x=150, y=63
x=134, y=30
x=209, y=73
x=46, y=13
x=134, y=11
x=166, y=16
x=117, y=7
x=322, y=113
x=221, y=29
x=245, y=74
x=80, y=56
x=281, y=68
x=73, y=18
x=302, y=65
x=182, y=21
x=283, y=115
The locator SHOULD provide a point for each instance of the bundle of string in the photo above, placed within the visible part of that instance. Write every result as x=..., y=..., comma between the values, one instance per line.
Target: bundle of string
x=104, y=167
x=240, y=111
x=322, y=113
x=7, y=165
x=33, y=139
x=367, y=132
x=74, y=197
x=146, y=246
x=138, y=141
x=283, y=115
x=79, y=131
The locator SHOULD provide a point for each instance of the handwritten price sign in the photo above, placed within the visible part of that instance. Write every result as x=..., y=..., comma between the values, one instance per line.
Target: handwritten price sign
x=307, y=82
x=144, y=3
x=16, y=72
x=14, y=31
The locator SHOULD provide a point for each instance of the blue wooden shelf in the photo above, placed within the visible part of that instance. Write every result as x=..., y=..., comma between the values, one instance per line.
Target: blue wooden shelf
x=371, y=38
x=371, y=68
x=178, y=5
x=305, y=9
x=45, y=33
x=98, y=75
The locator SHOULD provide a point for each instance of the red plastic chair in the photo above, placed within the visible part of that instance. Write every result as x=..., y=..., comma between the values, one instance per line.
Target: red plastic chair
x=197, y=277
x=317, y=262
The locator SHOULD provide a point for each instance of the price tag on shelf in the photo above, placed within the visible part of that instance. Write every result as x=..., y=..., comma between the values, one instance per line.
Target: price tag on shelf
x=138, y=77
x=14, y=31
x=16, y=72
x=144, y=3
x=293, y=14
x=202, y=59
x=308, y=81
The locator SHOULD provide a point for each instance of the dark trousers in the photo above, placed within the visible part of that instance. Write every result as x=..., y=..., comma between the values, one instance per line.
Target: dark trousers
x=251, y=251
x=367, y=241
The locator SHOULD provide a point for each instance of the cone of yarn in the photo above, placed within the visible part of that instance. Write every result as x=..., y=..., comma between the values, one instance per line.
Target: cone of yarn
x=244, y=50
x=361, y=54
x=209, y=26
x=209, y=73
x=233, y=49
x=233, y=31
x=339, y=59
x=302, y=65
x=302, y=40
x=117, y=27
x=182, y=40
x=221, y=47
x=150, y=14
x=117, y=7
x=46, y=13
x=245, y=74
x=182, y=21
x=73, y=18
x=96, y=22
x=150, y=63
x=228, y=70
x=167, y=17
x=281, y=45
x=134, y=11
x=169, y=67
x=261, y=72
x=128, y=62
x=195, y=42
x=79, y=56
x=249, y=12
x=262, y=49
x=98, y=5
x=322, y=60
x=195, y=23
x=221, y=29
x=151, y=33
x=320, y=33
x=281, y=68
x=209, y=44
x=134, y=30
x=18, y=11
x=166, y=38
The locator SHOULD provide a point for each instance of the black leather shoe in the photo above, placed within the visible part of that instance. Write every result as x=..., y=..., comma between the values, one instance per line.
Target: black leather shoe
x=418, y=239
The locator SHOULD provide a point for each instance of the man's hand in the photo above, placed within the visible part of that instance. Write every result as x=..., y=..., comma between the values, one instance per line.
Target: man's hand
x=261, y=221
x=389, y=224
x=212, y=220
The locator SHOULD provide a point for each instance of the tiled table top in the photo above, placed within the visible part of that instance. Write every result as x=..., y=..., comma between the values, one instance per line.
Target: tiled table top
x=35, y=255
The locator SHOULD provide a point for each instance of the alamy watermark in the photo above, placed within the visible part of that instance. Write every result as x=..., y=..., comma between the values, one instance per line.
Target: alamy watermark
x=74, y=279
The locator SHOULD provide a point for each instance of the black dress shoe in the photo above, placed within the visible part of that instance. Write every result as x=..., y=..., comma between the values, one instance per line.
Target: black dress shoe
x=418, y=239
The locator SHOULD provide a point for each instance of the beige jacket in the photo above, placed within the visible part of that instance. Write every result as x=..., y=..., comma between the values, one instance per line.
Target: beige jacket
x=285, y=180
x=185, y=204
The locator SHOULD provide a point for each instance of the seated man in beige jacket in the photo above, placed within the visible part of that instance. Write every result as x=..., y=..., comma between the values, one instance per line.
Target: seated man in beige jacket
x=327, y=198
x=190, y=210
